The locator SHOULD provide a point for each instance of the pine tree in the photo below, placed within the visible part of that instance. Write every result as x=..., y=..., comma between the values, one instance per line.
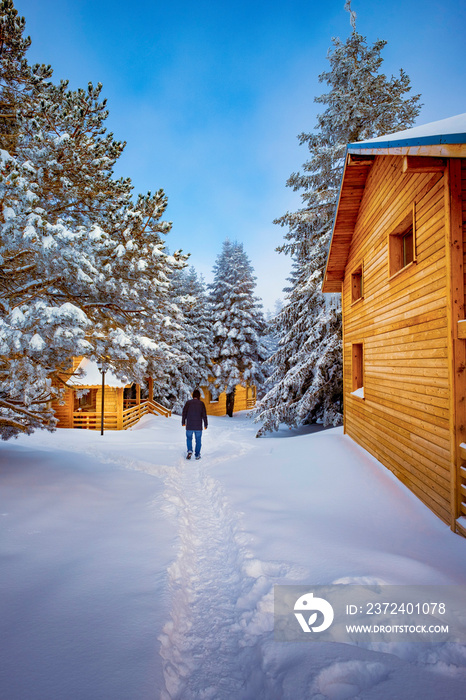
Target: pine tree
x=19, y=81
x=84, y=267
x=362, y=103
x=237, y=322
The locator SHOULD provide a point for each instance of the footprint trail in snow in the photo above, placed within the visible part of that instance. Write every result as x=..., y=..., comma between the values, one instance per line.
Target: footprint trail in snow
x=209, y=646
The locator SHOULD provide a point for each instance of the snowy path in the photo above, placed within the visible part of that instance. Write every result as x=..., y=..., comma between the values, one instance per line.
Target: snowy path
x=201, y=644
x=204, y=646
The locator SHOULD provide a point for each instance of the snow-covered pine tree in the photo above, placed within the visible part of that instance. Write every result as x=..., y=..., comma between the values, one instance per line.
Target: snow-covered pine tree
x=189, y=294
x=84, y=268
x=270, y=340
x=294, y=392
x=136, y=323
x=237, y=323
x=362, y=103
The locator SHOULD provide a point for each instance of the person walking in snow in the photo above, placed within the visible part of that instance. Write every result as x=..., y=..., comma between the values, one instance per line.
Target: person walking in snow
x=194, y=414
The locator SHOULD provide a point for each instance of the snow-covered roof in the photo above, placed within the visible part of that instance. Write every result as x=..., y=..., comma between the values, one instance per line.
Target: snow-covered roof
x=449, y=131
x=92, y=376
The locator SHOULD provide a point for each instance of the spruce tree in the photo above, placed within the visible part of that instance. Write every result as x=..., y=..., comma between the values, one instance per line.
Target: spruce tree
x=237, y=323
x=362, y=103
x=270, y=339
x=189, y=294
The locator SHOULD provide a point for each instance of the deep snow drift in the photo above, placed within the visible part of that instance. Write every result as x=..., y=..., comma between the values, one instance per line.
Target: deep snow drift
x=128, y=573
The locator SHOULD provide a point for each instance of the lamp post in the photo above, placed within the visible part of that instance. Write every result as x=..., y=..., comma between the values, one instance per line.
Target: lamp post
x=102, y=369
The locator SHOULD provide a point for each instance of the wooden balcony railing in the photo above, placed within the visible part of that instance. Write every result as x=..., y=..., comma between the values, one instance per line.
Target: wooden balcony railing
x=118, y=420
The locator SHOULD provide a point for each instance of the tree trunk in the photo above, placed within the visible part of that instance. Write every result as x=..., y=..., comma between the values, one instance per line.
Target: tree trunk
x=230, y=403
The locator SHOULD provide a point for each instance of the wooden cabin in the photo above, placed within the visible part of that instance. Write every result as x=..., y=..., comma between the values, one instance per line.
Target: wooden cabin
x=216, y=405
x=397, y=256
x=81, y=405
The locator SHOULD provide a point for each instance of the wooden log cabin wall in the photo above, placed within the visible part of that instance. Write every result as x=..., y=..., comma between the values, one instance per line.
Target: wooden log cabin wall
x=81, y=403
x=398, y=257
x=245, y=399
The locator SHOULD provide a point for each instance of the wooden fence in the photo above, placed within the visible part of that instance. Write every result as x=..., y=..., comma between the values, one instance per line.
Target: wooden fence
x=118, y=420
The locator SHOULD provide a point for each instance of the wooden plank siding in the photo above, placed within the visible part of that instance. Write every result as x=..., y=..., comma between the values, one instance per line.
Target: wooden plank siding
x=69, y=413
x=463, y=212
x=455, y=313
x=245, y=398
x=215, y=408
x=402, y=322
x=64, y=409
x=461, y=457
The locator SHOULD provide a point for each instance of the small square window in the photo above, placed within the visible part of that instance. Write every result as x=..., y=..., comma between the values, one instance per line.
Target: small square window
x=86, y=399
x=212, y=396
x=356, y=285
x=402, y=244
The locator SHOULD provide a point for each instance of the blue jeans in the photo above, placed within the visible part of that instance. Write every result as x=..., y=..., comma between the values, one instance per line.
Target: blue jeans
x=189, y=440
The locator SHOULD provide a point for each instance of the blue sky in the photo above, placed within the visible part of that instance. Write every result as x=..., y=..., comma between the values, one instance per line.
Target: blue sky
x=211, y=95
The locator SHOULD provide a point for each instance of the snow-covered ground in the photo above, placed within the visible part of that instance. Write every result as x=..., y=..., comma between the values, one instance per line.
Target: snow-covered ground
x=128, y=573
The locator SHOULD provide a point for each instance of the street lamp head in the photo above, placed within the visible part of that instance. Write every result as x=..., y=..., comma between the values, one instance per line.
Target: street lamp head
x=102, y=365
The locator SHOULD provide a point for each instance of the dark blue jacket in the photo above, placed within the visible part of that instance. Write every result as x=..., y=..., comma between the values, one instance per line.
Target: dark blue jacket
x=193, y=414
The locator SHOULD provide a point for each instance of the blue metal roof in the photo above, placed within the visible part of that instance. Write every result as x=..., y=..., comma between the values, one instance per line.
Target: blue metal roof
x=444, y=131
